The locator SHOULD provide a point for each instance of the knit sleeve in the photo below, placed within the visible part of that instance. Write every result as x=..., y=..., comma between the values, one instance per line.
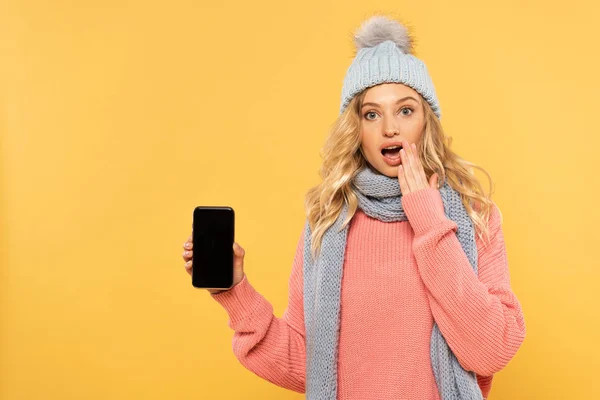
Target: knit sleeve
x=478, y=315
x=271, y=347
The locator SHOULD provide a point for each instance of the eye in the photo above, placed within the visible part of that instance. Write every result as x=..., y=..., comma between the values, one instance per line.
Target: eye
x=406, y=108
x=369, y=113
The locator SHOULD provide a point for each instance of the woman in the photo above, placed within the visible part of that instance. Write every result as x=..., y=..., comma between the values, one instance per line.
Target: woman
x=400, y=287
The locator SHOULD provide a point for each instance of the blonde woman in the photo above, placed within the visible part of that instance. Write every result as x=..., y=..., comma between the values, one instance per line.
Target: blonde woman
x=400, y=287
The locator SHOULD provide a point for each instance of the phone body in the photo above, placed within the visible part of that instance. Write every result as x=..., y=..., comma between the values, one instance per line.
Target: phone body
x=213, y=234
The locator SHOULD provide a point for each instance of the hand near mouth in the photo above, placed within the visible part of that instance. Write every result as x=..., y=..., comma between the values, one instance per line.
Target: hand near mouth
x=411, y=174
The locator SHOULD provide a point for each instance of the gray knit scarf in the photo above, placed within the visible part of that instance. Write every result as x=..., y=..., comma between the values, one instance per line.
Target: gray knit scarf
x=379, y=197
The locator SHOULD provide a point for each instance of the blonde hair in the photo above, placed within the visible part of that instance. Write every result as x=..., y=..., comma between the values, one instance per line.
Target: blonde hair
x=343, y=159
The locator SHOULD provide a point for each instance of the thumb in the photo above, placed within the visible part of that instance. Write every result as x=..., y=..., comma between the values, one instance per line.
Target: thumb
x=238, y=257
x=433, y=181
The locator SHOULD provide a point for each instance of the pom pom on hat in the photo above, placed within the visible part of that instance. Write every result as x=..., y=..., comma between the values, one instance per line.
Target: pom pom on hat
x=380, y=28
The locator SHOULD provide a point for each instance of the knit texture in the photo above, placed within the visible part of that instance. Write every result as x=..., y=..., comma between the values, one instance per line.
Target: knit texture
x=399, y=277
x=387, y=63
x=379, y=196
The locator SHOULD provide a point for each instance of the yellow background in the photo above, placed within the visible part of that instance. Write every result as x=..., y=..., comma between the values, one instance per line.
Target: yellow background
x=119, y=117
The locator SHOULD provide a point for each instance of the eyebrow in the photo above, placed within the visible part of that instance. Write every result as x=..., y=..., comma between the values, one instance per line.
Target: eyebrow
x=398, y=101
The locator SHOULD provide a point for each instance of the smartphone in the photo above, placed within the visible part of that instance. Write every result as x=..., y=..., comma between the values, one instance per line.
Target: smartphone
x=212, y=238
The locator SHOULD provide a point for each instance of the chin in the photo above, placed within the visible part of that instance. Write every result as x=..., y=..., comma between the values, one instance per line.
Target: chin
x=392, y=172
x=386, y=170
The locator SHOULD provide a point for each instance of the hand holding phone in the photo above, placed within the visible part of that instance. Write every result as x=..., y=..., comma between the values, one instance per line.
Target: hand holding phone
x=213, y=259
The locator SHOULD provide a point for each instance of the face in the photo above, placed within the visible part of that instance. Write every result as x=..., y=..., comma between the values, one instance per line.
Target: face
x=390, y=114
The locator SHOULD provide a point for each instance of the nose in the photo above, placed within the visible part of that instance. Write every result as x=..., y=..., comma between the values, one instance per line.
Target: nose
x=389, y=128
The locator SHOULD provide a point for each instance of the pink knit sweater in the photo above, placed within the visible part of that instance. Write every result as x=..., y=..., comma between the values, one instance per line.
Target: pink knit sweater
x=398, y=277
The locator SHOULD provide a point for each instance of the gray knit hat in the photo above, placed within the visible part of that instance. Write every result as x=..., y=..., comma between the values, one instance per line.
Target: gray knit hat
x=383, y=56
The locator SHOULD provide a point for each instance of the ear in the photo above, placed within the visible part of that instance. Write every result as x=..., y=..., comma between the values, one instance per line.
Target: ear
x=433, y=181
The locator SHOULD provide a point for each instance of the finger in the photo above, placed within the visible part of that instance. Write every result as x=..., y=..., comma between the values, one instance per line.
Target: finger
x=187, y=255
x=188, y=267
x=420, y=171
x=416, y=168
x=402, y=180
x=433, y=181
x=407, y=167
x=188, y=245
x=415, y=175
x=239, y=252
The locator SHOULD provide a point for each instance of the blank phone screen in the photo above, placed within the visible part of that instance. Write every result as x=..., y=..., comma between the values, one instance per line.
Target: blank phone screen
x=213, y=236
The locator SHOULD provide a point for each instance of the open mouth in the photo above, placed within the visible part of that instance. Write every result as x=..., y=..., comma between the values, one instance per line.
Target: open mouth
x=392, y=152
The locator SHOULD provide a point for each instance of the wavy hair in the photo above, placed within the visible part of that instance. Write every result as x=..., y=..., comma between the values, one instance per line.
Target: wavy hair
x=343, y=159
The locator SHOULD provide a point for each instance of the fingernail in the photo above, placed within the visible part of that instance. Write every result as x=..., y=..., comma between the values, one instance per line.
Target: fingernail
x=187, y=264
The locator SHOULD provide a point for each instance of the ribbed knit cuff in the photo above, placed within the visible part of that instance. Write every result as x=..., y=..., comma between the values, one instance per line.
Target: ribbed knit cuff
x=242, y=301
x=424, y=209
